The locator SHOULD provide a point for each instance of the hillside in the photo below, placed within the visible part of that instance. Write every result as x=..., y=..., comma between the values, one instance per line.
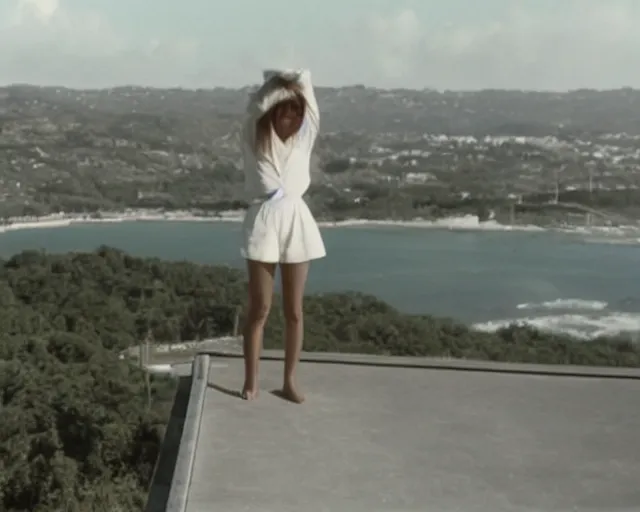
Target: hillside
x=80, y=429
x=381, y=154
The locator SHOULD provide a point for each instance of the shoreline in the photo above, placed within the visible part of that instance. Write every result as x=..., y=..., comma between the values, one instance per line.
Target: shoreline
x=598, y=234
x=569, y=316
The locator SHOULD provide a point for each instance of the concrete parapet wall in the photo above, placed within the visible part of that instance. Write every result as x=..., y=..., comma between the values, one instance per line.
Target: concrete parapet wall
x=181, y=481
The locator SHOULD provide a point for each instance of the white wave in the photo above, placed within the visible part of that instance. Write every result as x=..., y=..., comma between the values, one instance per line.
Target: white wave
x=619, y=235
x=621, y=230
x=581, y=326
x=612, y=241
x=42, y=224
x=462, y=223
x=581, y=304
x=64, y=220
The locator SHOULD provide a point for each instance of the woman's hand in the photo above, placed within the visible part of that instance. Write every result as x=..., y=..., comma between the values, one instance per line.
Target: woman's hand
x=287, y=75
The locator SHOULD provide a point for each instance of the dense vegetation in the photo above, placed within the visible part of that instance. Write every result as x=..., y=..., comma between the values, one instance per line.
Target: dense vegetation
x=80, y=429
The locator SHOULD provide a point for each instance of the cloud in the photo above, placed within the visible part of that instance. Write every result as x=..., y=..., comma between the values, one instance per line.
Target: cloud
x=587, y=44
x=45, y=26
x=396, y=41
x=50, y=44
x=576, y=43
x=41, y=10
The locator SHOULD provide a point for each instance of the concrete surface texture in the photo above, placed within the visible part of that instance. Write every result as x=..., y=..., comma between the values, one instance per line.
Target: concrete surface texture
x=408, y=439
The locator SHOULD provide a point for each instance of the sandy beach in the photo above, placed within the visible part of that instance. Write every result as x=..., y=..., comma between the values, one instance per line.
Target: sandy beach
x=619, y=234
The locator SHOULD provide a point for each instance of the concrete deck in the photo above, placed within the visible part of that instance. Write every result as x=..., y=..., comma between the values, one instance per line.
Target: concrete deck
x=413, y=439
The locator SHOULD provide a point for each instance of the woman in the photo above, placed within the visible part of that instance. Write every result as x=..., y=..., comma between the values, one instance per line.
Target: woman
x=279, y=133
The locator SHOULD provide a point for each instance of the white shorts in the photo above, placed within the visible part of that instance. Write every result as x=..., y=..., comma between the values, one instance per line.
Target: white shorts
x=281, y=230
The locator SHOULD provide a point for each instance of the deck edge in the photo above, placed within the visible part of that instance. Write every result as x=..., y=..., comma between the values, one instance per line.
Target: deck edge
x=428, y=363
x=181, y=481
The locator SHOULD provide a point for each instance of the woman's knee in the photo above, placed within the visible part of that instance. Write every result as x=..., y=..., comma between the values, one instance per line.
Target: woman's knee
x=293, y=314
x=259, y=312
x=260, y=291
x=294, y=277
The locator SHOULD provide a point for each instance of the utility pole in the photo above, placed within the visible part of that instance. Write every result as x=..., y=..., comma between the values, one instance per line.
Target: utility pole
x=590, y=167
x=141, y=355
x=557, y=179
x=147, y=377
x=147, y=348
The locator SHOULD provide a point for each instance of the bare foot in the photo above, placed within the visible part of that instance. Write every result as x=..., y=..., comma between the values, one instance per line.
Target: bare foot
x=249, y=392
x=289, y=392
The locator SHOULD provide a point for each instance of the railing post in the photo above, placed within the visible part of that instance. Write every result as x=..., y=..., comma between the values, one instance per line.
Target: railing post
x=236, y=321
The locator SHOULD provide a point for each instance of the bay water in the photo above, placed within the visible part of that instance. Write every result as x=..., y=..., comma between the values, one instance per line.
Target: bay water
x=488, y=279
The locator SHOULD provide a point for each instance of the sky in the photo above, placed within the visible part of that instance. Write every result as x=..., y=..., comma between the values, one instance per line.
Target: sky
x=439, y=44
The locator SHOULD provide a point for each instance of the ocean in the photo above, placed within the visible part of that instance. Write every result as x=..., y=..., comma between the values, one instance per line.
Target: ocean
x=488, y=279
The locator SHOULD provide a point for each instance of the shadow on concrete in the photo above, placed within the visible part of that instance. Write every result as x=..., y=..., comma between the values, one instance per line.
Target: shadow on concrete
x=224, y=390
x=161, y=483
x=278, y=393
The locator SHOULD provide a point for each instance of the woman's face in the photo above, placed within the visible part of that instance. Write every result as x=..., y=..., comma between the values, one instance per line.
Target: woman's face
x=287, y=118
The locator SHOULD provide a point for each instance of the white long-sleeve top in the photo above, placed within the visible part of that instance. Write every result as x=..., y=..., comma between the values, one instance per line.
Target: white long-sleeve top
x=286, y=168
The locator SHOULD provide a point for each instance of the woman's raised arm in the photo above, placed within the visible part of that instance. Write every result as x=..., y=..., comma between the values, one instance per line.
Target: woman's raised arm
x=274, y=90
x=303, y=78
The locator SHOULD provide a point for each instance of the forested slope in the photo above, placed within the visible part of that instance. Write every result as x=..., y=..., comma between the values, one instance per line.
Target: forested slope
x=80, y=428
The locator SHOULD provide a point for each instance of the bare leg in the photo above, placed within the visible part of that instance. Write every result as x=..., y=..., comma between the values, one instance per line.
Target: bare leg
x=294, y=277
x=260, y=293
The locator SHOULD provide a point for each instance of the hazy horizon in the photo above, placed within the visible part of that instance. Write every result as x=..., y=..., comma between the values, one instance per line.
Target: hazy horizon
x=317, y=85
x=534, y=45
